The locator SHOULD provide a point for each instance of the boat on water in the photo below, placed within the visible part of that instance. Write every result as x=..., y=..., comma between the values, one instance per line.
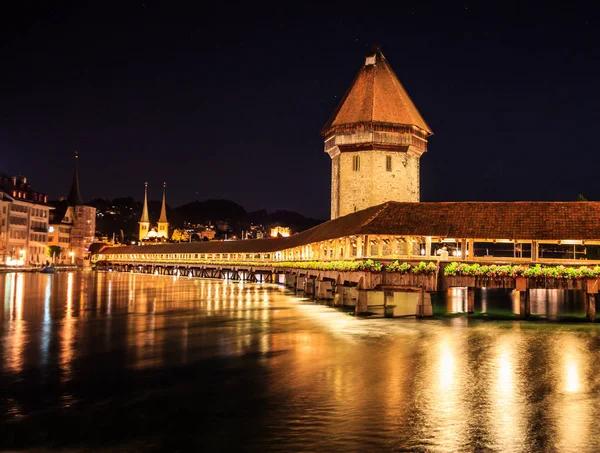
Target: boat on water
x=48, y=269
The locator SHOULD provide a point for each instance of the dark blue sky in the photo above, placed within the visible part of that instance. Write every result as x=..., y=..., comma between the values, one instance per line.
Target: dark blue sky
x=228, y=101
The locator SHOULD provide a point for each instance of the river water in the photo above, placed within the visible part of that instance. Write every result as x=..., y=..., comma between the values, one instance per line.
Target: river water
x=133, y=362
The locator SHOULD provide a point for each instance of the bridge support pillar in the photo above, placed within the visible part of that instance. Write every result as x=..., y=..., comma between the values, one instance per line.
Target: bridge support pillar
x=524, y=304
x=299, y=283
x=290, y=280
x=324, y=289
x=470, y=300
x=309, y=286
x=590, y=307
x=362, y=302
x=424, y=307
x=339, y=293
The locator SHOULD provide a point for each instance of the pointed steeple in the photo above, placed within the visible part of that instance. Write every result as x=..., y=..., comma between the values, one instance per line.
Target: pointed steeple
x=74, y=197
x=145, y=216
x=376, y=96
x=163, y=210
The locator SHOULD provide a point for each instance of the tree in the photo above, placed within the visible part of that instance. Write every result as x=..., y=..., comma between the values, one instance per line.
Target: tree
x=580, y=197
x=54, y=251
x=185, y=236
x=176, y=236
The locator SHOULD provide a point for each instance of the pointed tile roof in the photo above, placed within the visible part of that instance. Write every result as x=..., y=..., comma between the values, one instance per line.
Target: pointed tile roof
x=163, y=209
x=74, y=197
x=145, y=216
x=376, y=96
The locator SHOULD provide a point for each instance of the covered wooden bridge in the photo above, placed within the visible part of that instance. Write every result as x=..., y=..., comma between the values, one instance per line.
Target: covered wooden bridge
x=486, y=232
x=470, y=231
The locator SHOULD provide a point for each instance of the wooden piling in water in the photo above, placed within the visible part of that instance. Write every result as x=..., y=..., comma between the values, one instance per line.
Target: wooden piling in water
x=470, y=300
x=590, y=307
x=524, y=304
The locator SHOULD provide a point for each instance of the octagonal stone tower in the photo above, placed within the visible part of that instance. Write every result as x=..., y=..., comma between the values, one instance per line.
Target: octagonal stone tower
x=375, y=138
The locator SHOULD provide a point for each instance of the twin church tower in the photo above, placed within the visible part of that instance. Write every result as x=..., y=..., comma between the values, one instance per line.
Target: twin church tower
x=375, y=138
x=161, y=231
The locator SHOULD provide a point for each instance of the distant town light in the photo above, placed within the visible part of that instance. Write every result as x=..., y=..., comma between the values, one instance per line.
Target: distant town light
x=280, y=231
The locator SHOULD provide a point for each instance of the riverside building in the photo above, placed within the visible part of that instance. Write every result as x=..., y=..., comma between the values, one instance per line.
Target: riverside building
x=24, y=215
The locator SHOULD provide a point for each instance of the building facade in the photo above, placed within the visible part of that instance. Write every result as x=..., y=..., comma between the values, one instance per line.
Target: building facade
x=24, y=216
x=375, y=138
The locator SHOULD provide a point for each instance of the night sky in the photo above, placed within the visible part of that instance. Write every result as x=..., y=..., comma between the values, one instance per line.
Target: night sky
x=228, y=101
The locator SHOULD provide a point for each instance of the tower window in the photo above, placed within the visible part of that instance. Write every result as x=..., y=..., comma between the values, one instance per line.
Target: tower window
x=388, y=163
x=356, y=163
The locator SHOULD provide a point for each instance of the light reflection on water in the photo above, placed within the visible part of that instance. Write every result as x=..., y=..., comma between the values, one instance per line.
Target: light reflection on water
x=162, y=362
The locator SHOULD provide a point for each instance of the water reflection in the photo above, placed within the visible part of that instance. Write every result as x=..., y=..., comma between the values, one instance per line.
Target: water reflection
x=574, y=412
x=552, y=304
x=145, y=351
x=507, y=402
x=16, y=337
x=67, y=332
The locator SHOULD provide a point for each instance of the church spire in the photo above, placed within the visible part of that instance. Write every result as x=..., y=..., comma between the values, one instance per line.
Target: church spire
x=74, y=197
x=144, y=222
x=145, y=217
x=163, y=210
x=163, y=223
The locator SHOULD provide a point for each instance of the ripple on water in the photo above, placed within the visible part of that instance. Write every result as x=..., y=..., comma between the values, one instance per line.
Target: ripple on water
x=104, y=362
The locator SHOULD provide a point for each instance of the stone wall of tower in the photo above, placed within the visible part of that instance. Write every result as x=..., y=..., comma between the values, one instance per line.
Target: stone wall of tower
x=143, y=230
x=374, y=182
x=163, y=230
x=335, y=186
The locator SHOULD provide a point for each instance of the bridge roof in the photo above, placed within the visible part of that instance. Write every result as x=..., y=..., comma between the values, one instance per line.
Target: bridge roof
x=528, y=220
x=376, y=96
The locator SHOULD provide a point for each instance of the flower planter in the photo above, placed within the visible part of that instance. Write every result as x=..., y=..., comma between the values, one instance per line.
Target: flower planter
x=461, y=280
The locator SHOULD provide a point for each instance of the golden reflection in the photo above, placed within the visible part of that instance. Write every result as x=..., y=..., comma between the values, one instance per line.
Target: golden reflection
x=447, y=367
x=572, y=406
x=506, y=396
x=99, y=291
x=444, y=388
x=47, y=324
x=146, y=326
x=109, y=297
x=67, y=334
x=16, y=337
x=516, y=301
x=505, y=372
x=572, y=384
x=456, y=300
x=9, y=289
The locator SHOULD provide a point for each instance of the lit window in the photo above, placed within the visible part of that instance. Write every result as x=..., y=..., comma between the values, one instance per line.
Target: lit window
x=388, y=163
x=356, y=163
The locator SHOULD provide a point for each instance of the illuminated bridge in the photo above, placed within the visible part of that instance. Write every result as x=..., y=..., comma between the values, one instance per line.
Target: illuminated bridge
x=357, y=259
